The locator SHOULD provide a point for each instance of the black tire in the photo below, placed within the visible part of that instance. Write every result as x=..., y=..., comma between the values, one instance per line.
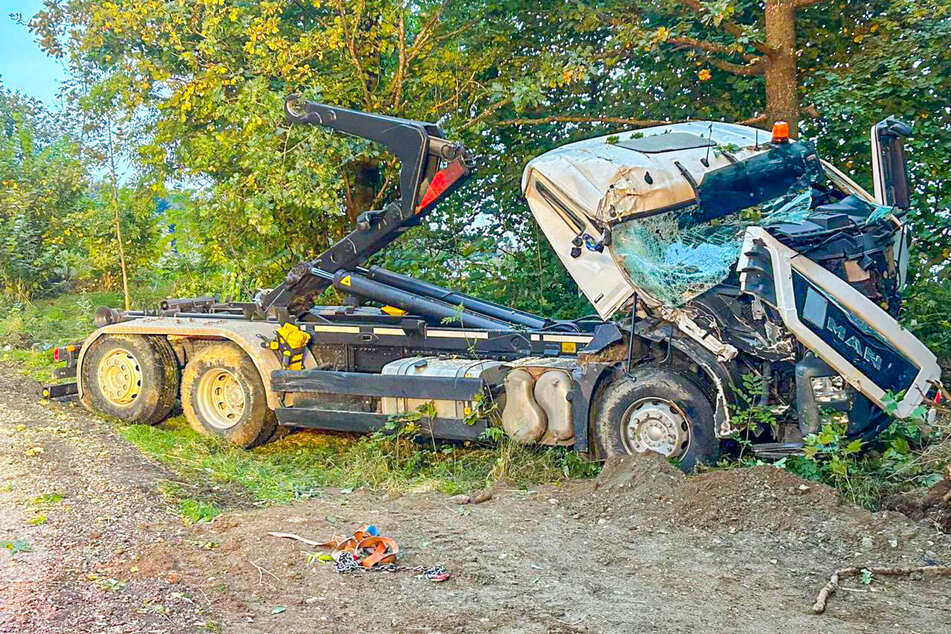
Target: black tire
x=653, y=386
x=131, y=377
x=223, y=395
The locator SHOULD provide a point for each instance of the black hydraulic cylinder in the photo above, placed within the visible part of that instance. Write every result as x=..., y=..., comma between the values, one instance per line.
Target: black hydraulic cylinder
x=356, y=284
x=433, y=291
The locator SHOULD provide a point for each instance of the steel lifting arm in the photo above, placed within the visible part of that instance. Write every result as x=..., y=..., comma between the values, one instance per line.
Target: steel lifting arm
x=431, y=167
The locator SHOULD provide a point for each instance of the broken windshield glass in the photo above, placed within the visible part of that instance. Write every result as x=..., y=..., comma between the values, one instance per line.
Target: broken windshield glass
x=674, y=261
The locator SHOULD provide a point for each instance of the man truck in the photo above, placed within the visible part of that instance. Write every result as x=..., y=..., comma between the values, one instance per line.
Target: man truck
x=710, y=251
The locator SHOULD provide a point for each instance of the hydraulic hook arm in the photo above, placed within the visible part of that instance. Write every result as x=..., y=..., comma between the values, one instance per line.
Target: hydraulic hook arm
x=431, y=167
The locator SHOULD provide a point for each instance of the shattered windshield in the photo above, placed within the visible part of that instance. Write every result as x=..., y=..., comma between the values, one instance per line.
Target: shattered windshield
x=676, y=256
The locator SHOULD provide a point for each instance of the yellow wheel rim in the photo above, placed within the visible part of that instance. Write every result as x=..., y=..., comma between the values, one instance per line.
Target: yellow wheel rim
x=120, y=377
x=221, y=398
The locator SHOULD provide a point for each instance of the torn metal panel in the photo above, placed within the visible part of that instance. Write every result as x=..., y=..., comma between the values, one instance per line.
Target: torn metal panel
x=846, y=329
x=724, y=352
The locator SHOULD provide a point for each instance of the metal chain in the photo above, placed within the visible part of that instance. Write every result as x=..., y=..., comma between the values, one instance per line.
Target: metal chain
x=346, y=563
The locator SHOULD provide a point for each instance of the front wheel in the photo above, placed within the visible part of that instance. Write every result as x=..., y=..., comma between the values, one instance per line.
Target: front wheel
x=657, y=409
x=223, y=395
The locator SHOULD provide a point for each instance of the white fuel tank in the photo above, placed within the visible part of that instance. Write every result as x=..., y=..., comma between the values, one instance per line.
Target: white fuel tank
x=492, y=372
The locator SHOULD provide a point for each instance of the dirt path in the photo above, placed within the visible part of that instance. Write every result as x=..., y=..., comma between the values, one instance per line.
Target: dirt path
x=641, y=550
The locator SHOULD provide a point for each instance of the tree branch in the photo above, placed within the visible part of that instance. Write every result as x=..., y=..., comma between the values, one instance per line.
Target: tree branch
x=352, y=47
x=760, y=118
x=640, y=123
x=425, y=32
x=806, y=3
x=708, y=47
x=727, y=26
x=401, y=66
x=487, y=112
x=748, y=70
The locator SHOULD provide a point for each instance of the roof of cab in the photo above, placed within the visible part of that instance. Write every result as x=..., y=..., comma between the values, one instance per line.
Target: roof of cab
x=617, y=176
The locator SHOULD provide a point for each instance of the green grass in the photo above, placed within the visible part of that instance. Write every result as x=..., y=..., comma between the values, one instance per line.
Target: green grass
x=36, y=364
x=30, y=329
x=44, y=323
x=197, y=511
x=301, y=464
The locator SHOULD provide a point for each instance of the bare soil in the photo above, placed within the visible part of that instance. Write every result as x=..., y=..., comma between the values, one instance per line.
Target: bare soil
x=641, y=549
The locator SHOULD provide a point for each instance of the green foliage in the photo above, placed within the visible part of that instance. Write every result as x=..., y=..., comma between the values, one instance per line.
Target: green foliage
x=925, y=308
x=302, y=463
x=197, y=512
x=42, y=181
x=278, y=194
x=67, y=318
x=196, y=90
x=867, y=474
x=750, y=415
x=833, y=453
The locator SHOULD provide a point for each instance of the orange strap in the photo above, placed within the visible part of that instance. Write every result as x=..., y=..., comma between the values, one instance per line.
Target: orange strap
x=382, y=550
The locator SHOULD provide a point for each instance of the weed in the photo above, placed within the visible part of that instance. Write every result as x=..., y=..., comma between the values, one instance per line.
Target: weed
x=750, y=414
x=47, y=499
x=899, y=459
x=197, y=511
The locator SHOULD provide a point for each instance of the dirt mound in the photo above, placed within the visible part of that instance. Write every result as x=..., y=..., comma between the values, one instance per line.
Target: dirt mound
x=933, y=504
x=639, y=477
x=762, y=497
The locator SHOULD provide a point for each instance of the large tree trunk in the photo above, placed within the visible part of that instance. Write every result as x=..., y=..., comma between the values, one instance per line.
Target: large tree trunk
x=782, y=98
x=363, y=188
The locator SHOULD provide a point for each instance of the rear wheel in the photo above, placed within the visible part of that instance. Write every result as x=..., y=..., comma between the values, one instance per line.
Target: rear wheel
x=657, y=410
x=223, y=395
x=131, y=377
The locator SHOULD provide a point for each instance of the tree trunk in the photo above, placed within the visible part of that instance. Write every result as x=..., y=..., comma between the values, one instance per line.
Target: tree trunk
x=118, y=219
x=782, y=97
x=363, y=190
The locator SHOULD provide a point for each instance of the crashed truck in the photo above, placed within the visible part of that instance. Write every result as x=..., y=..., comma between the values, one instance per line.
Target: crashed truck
x=708, y=250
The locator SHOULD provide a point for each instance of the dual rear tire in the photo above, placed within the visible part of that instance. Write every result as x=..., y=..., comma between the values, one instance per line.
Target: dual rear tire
x=137, y=379
x=223, y=395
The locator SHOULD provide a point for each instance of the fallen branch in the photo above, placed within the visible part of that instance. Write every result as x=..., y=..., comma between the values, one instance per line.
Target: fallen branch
x=309, y=542
x=829, y=589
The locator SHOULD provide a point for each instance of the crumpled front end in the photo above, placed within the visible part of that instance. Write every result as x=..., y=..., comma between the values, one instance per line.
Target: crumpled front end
x=843, y=327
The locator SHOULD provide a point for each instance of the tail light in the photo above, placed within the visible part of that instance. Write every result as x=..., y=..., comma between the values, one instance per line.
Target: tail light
x=63, y=353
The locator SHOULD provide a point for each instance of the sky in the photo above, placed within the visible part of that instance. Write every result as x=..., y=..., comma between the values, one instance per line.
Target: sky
x=23, y=66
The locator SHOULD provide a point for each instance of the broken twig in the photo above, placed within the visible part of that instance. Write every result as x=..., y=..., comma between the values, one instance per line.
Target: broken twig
x=829, y=589
x=261, y=570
